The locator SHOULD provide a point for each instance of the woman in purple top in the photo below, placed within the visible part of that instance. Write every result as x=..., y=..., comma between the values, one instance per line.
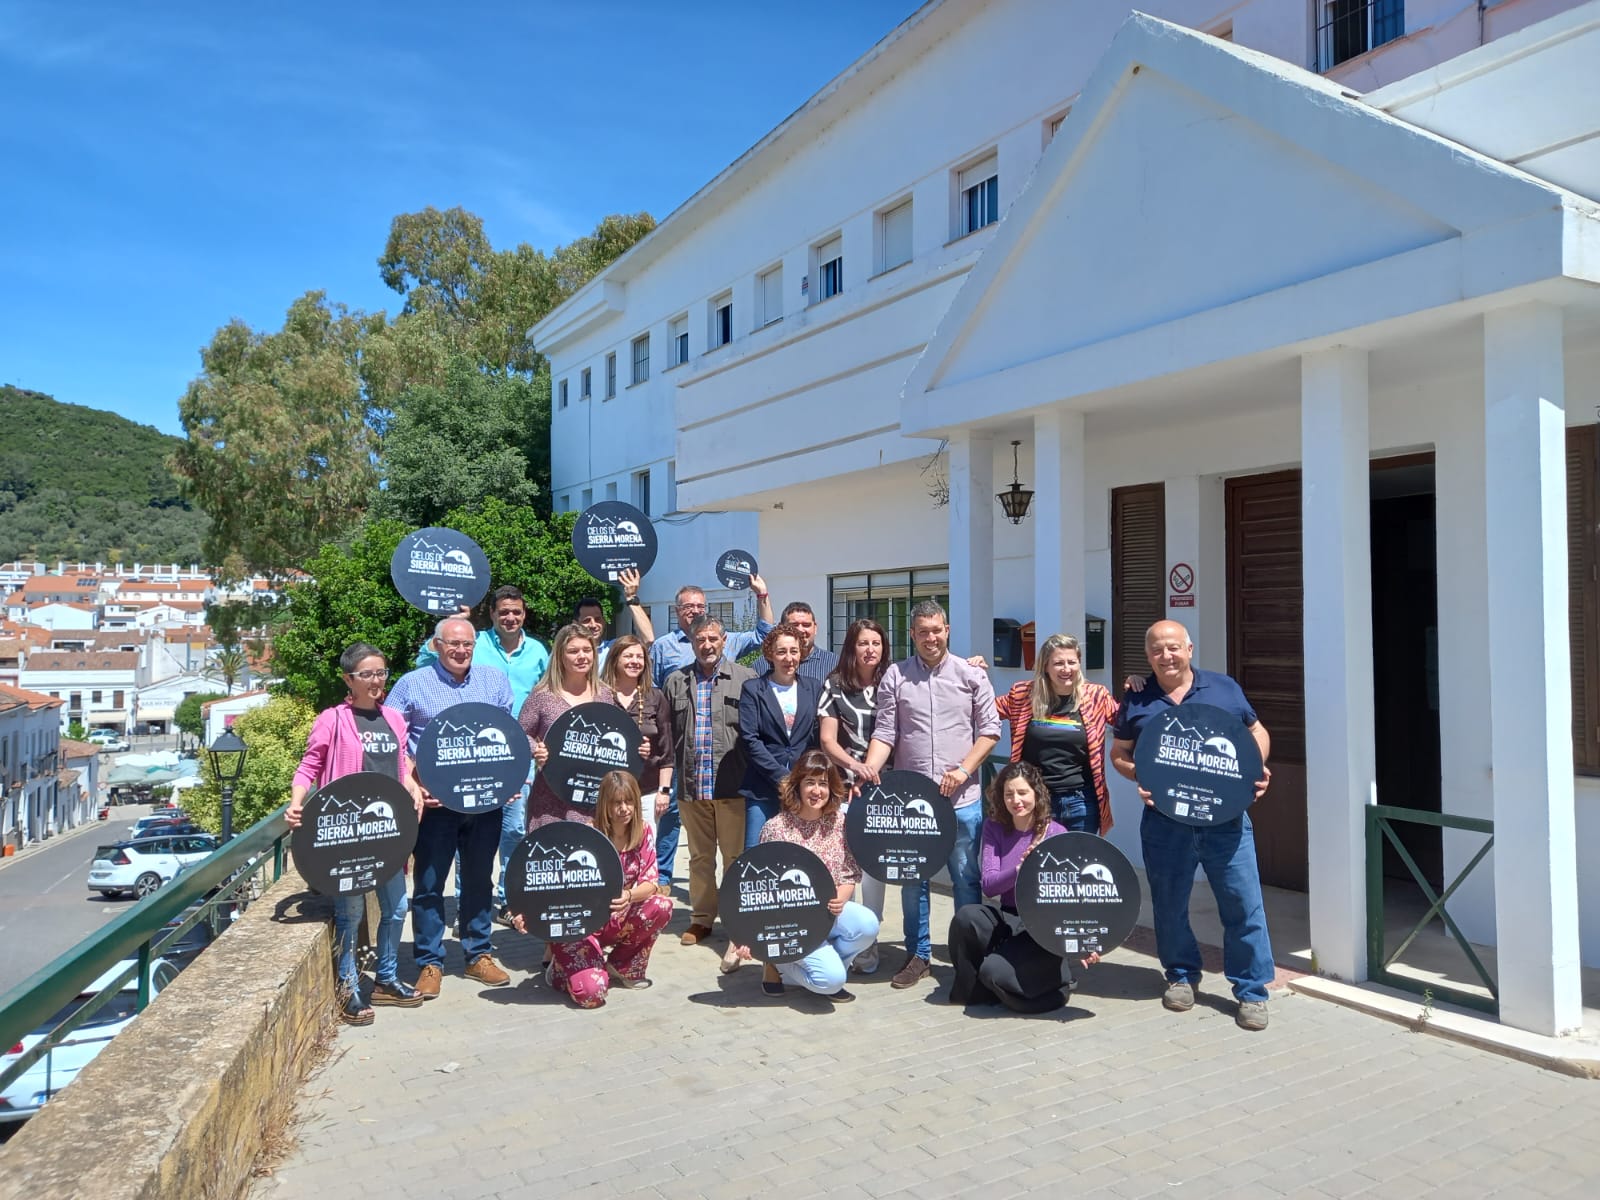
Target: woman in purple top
x=996, y=961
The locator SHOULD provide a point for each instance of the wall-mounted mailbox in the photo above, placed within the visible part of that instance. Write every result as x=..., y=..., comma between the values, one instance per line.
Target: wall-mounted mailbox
x=1094, y=644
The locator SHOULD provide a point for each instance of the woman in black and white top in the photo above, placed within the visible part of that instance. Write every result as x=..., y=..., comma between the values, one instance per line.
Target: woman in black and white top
x=848, y=709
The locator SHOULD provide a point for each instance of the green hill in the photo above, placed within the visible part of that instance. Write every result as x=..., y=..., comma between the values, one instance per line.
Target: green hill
x=80, y=484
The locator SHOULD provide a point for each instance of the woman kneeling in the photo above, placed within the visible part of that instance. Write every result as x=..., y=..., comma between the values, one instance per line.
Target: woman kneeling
x=810, y=796
x=583, y=969
x=996, y=961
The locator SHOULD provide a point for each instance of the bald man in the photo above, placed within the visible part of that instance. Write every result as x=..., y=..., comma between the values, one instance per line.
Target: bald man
x=1172, y=849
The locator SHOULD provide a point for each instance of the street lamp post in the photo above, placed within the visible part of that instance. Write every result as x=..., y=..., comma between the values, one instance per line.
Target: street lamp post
x=227, y=756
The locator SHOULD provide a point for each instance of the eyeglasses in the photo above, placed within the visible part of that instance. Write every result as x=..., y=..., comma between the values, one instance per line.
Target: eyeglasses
x=691, y=608
x=458, y=645
x=369, y=676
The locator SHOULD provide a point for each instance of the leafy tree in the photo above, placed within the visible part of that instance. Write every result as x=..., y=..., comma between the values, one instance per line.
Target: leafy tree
x=279, y=450
x=276, y=736
x=187, y=715
x=349, y=597
x=230, y=620
x=76, y=732
x=455, y=444
x=229, y=665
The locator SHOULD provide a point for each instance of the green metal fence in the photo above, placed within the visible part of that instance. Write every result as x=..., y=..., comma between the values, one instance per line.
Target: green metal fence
x=140, y=934
x=1381, y=820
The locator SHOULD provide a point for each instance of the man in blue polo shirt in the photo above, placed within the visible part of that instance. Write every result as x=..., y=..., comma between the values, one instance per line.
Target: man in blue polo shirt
x=1172, y=849
x=452, y=678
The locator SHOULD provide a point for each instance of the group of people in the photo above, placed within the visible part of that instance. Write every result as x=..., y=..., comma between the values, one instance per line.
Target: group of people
x=735, y=755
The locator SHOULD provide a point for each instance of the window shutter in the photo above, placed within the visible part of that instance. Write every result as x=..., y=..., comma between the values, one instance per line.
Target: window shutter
x=1138, y=574
x=772, y=295
x=978, y=172
x=896, y=236
x=1583, y=598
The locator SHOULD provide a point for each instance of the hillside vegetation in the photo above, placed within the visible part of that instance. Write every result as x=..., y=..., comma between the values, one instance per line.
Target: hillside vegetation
x=80, y=484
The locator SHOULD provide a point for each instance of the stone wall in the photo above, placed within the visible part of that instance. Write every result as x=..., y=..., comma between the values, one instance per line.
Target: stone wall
x=181, y=1102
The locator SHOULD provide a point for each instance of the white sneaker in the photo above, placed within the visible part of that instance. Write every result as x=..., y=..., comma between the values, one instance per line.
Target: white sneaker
x=867, y=961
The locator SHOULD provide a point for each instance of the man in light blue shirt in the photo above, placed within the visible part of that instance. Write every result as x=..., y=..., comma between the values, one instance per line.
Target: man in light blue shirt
x=675, y=650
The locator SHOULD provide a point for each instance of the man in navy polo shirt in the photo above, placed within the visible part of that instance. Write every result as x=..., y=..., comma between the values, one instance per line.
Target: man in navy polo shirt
x=1172, y=849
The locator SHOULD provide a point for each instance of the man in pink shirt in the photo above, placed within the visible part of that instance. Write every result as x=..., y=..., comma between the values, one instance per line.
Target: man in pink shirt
x=936, y=715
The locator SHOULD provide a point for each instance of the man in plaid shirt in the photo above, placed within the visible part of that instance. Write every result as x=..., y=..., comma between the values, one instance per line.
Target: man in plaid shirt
x=704, y=699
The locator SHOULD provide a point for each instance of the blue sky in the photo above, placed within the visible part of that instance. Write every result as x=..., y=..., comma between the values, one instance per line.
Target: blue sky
x=171, y=165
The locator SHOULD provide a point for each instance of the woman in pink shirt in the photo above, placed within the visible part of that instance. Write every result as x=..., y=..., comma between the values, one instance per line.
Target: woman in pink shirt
x=361, y=734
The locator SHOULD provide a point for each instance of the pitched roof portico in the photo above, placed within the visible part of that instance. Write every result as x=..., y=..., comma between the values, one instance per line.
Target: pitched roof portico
x=1215, y=232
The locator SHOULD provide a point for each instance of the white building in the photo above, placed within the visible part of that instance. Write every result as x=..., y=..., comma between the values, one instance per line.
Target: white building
x=30, y=732
x=98, y=686
x=1315, y=338
x=219, y=715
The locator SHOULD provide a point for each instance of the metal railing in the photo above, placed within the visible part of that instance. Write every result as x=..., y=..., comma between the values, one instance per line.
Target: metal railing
x=1347, y=29
x=1381, y=819
x=140, y=934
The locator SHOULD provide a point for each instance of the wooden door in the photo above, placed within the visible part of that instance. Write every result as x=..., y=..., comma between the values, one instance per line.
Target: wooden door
x=1266, y=618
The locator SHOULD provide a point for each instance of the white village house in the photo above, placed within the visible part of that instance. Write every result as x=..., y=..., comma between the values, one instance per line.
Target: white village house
x=1308, y=359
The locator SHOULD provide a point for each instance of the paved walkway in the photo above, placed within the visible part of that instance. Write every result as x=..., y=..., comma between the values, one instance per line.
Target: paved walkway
x=702, y=1086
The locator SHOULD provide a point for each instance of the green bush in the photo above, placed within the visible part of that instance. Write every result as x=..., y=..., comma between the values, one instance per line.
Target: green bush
x=276, y=736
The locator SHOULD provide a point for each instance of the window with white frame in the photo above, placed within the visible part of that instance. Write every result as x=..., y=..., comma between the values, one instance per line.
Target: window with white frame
x=561, y=393
x=641, y=358
x=720, y=330
x=611, y=490
x=887, y=597
x=829, y=257
x=769, y=296
x=677, y=341
x=1348, y=28
x=566, y=502
x=611, y=375
x=584, y=389
x=978, y=195
x=894, y=235
x=588, y=499
x=641, y=491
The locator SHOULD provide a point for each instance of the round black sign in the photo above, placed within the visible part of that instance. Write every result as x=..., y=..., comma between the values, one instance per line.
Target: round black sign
x=355, y=833
x=734, y=569
x=562, y=878
x=439, y=570
x=1199, y=764
x=774, y=899
x=610, y=537
x=901, y=829
x=473, y=757
x=1077, y=894
x=586, y=742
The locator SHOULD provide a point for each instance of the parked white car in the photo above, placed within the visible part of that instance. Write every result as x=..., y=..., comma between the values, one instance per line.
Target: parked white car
x=108, y=739
x=28, y=1092
x=140, y=867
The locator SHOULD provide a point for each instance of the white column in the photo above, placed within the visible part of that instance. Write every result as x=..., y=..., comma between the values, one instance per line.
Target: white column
x=1196, y=541
x=1530, y=701
x=972, y=509
x=1337, y=575
x=1057, y=515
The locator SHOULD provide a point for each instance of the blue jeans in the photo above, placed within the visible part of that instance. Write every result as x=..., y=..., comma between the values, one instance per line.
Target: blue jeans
x=964, y=883
x=347, y=914
x=513, y=824
x=1076, y=812
x=667, y=830
x=444, y=833
x=823, y=970
x=756, y=814
x=1227, y=853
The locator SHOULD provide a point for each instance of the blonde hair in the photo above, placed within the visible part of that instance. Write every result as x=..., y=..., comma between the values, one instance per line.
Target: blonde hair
x=614, y=786
x=551, y=680
x=1042, y=692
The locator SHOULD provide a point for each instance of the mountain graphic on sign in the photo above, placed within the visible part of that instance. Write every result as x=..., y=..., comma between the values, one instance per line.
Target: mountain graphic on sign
x=447, y=726
x=540, y=850
x=424, y=544
x=578, y=722
x=1178, y=726
x=608, y=522
x=750, y=869
x=1049, y=858
x=337, y=804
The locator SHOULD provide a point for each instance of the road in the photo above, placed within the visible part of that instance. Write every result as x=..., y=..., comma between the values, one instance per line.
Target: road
x=45, y=907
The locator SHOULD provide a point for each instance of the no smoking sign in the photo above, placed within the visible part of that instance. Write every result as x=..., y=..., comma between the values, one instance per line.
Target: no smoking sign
x=1181, y=580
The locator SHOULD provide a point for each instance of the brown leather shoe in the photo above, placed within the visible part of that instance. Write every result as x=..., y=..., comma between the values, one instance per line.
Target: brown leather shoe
x=487, y=972
x=915, y=970
x=428, y=982
x=695, y=934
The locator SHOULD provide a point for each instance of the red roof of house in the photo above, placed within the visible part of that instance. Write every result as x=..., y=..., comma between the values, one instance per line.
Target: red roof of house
x=22, y=695
x=83, y=660
x=206, y=707
x=71, y=748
